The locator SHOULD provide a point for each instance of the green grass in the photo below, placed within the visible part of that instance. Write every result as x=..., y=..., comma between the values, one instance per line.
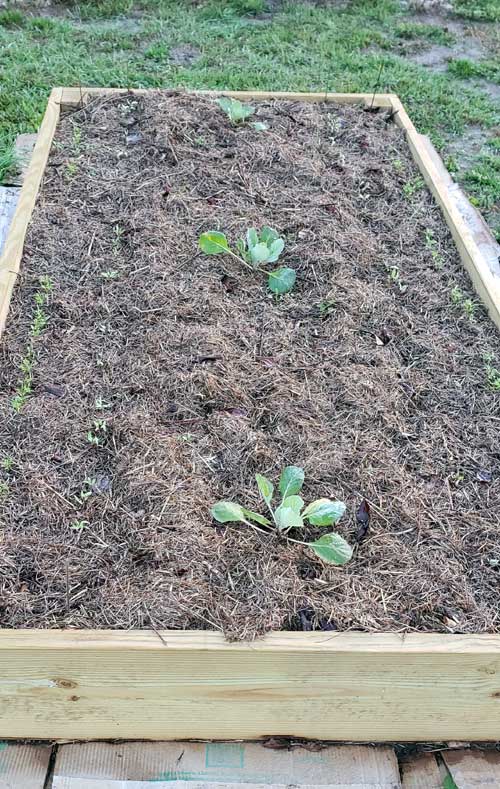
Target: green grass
x=481, y=10
x=8, y=161
x=299, y=46
x=468, y=69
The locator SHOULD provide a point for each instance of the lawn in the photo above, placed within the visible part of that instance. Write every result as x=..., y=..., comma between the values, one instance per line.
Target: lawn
x=240, y=44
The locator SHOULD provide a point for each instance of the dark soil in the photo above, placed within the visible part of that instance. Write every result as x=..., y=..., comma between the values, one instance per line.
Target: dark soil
x=376, y=385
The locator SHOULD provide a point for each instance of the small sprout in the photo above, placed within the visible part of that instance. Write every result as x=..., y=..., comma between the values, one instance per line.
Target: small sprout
x=110, y=274
x=492, y=373
x=398, y=165
x=77, y=525
x=459, y=300
x=96, y=437
x=71, y=169
x=413, y=185
x=4, y=489
x=7, y=462
x=259, y=126
x=456, y=295
x=290, y=514
x=88, y=488
x=101, y=404
x=256, y=249
x=235, y=110
x=326, y=308
x=119, y=233
x=432, y=246
x=395, y=278
x=77, y=138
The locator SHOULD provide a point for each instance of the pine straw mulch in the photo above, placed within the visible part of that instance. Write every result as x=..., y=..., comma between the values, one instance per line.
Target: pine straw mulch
x=377, y=387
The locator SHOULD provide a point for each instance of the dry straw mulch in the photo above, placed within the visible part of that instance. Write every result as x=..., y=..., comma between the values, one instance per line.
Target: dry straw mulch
x=376, y=385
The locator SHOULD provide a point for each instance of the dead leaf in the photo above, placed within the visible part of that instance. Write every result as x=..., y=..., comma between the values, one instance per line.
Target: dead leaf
x=363, y=520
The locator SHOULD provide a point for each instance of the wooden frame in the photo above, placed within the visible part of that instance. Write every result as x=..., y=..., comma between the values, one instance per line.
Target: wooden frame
x=178, y=685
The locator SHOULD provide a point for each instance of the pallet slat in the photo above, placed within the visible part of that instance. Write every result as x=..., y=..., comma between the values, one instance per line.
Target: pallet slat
x=224, y=765
x=23, y=766
x=471, y=769
x=421, y=772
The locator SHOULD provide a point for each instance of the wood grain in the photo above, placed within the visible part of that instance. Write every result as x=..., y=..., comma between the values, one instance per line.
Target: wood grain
x=73, y=97
x=224, y=765
x=23, y=766
x=421, y=772
x=10, y=259
x=345, y=687
x=470, y=769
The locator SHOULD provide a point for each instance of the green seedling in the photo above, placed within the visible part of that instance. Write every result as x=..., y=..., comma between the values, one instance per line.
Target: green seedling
x=71, y=169
x=413, y=185
x=326, y=308
x=77, y=525
x=7, y=463
x=395, y=278
x=110, y=274
x=86, y=491
x=237, y=112
x=256, y=249
x=4, y=489
x=96, y=436
x=492, y=373
x=77, y=138
x=117, y=240
x=459, y=300
x=291, y=514
x=101, y=404
x=38, y=323
x=432, y=246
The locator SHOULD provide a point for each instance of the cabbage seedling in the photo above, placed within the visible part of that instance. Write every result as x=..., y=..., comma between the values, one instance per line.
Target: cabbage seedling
x=291, y=514
x=236, y=111
x=256, y=249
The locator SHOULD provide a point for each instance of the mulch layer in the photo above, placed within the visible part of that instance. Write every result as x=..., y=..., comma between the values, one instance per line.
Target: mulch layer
x=372, y=374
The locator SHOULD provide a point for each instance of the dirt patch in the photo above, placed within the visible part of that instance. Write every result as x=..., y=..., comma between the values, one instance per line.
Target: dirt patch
x=466, y=148
x=184, y=55
x=203, y=379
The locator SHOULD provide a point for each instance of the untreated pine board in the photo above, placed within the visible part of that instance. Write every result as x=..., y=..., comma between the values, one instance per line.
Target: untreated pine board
x=74, y=97
x=346, y=686
x=471, y=769
x=10, y=258
x=223, y=764
x=23, y=766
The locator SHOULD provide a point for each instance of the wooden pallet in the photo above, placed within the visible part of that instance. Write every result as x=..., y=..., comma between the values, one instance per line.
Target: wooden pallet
x=240, y=765
x=172, y=685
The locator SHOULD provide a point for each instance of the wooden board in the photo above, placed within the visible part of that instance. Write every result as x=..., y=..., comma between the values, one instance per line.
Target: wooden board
x=23, y=766
x=222, y=765
x=421, y=772
x=471, y=769
x=10, y=259
x=345, y=687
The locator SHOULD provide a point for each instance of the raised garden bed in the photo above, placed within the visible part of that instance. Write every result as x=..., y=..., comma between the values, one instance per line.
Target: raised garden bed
x=156, y=380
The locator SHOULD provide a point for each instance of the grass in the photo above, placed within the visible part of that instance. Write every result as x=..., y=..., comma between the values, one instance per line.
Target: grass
x=300, y=46
x=480, y=10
